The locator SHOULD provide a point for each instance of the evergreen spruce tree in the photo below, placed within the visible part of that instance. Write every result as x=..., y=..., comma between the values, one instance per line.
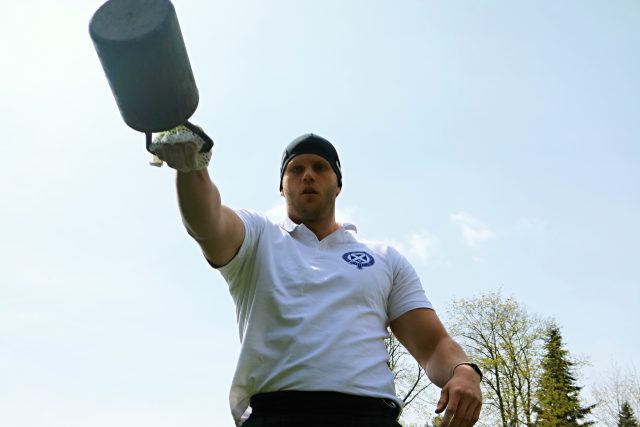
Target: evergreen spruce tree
x=557, y=395
x=626, y=417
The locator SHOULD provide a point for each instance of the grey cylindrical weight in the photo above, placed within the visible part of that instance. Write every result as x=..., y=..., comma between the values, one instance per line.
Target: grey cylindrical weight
x=143, y=55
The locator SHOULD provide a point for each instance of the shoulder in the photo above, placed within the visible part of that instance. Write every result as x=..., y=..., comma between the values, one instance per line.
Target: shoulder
x=255, y=219
x=249, y=215
x=260, y=226
x=383, y=249
x=259, y=231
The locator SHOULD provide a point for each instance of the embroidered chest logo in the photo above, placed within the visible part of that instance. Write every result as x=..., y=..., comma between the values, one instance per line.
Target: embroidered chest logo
x=359, y=259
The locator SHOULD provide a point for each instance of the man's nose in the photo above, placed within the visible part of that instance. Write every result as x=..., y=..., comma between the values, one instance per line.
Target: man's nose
x=308, y=175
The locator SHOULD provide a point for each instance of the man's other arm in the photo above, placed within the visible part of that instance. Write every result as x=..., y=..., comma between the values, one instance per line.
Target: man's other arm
x=422, y=333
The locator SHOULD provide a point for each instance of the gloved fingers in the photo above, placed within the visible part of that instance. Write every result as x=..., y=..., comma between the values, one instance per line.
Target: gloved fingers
x=180, y=149
x=180, y=156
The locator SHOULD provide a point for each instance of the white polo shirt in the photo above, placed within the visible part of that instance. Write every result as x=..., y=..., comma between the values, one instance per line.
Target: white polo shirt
x=313, y=315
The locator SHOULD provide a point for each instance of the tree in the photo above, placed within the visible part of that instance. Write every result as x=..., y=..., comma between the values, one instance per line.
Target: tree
x=612, y=390
x=410, y=379
x=558, y=400
x=507, y=343
x=626, y=417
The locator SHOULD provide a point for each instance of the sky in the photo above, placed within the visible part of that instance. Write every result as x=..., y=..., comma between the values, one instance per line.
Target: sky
x=496, y=144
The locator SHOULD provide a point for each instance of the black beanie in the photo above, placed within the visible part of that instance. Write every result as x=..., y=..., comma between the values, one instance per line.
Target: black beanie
x=311, y=144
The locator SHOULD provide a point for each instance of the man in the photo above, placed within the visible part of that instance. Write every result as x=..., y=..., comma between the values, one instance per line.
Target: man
x=314, y=302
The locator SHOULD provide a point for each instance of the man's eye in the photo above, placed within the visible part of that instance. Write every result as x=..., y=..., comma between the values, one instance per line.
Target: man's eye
x=319, y=167
x=296, y=169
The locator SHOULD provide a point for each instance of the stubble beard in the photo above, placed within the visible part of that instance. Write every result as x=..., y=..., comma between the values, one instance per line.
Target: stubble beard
x=303, y=211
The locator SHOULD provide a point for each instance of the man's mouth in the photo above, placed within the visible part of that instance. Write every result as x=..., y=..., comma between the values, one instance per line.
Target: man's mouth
x=309, y=191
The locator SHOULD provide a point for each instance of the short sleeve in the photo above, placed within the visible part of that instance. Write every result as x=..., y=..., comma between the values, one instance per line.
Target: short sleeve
x=407, y=292
x=254, y=224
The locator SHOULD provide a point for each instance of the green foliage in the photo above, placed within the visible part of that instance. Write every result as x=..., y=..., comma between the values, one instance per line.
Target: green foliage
x=558, y=402
x=529, y=377
x=507, y=343
x=626, y=417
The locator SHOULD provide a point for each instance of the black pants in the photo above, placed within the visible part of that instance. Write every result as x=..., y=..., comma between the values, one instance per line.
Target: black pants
x=320, y=409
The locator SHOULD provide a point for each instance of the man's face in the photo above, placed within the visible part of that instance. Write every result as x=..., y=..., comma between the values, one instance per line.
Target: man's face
x=310, y=187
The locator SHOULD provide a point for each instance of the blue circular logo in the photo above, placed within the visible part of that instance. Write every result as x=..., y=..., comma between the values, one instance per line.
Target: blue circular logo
x=359, y=259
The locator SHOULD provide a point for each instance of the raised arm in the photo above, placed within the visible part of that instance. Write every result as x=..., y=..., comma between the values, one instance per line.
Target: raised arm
x=218, y=229
x=422, y=333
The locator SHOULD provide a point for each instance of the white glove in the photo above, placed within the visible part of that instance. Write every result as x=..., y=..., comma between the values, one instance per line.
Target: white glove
x=180, y=148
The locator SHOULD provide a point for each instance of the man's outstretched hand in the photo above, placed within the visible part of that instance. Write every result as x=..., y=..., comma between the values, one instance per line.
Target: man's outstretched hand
x=179, y=156
x=181, y=149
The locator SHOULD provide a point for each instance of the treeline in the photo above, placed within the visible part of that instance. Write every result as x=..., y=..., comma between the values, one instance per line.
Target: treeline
x=530, y=377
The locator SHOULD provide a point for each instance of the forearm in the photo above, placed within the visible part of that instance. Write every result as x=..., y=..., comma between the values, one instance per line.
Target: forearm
x=422, y=333
x=445, y=357
x=200, y=203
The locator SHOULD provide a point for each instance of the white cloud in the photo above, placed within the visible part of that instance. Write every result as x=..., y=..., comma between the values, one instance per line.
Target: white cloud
x=419, y=247
x=473, y=231
x=422, y=247
x=346, y=215
x=277, y=212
